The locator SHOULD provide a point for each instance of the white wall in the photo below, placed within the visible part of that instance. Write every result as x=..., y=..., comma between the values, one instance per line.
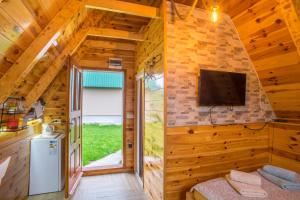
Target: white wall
x=102, y=105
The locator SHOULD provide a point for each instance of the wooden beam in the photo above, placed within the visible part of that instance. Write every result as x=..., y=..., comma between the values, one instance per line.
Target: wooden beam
x=123, y=7
x=97, y=44
x=116, y=34
x=292, y=19
x=41, y=86
x=24, y=64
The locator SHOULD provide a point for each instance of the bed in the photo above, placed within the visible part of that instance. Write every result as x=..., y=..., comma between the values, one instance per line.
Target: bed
x=219, y=189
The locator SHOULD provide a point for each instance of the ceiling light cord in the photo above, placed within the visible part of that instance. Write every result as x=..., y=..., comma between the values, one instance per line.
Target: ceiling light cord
x=189, y=13
x=257, y=129
x=210, y=115
x=204, y=4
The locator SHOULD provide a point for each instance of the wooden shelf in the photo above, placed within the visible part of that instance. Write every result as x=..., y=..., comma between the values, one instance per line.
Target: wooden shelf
x=13, y=130
x=13, y=113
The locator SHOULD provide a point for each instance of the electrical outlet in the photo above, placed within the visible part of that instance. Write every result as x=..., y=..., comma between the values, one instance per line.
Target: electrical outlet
x=56, y=121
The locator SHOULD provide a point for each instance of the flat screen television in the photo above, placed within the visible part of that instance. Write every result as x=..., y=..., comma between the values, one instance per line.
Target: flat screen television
x=218, y=88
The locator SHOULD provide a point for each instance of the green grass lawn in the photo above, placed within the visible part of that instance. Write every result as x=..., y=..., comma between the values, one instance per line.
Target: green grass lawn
x=100, y=141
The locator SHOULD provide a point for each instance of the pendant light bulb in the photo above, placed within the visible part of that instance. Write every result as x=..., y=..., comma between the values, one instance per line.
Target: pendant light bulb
x=214, y=14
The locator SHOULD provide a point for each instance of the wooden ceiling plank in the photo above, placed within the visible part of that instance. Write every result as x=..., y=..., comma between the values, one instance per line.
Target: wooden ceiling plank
x=292, y=20
x=34, y=7
x=259, y=9
x=275, y=38
x=5, y=44
x=123, y=7
x=265, y=20
x=134, y=19
x=47, y=78
x=235, y=7
x=116, y=34
x=282, y=88
x=122, y=27
x=37, y=49
x=19, y=13
x=50, y=8
x=95, y=20
x=277, y=61
x=272, y=51
x=14, y=32
x=281, y=75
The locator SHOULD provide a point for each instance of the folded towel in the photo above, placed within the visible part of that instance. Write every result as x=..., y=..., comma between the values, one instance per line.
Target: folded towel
x=247, y=190
x=244, y=177
x=3, y=167
x=284, y=184
x=281, y=173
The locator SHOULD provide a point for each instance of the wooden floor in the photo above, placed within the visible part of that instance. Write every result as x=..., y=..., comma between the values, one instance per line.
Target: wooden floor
x=106, y=187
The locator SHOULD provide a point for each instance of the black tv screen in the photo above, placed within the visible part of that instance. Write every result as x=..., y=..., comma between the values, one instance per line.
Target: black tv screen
x=218, y=88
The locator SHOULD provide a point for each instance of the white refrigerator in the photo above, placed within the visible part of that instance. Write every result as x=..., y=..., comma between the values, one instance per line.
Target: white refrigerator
x=47, y=164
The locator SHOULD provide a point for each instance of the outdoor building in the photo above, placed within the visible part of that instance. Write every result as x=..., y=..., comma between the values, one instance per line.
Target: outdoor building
x=102, y=117
x=102, y=97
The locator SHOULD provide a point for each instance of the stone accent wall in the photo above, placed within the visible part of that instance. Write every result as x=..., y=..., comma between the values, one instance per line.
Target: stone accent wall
x=196, y=44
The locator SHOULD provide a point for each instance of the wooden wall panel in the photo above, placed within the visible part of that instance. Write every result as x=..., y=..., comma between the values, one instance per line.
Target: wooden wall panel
x=55, y=98
x=153, y=46
x=285, y=140
x=154, y=137
x=198, y=153
x=154, y=108
x=130, y=114
x=15, y=184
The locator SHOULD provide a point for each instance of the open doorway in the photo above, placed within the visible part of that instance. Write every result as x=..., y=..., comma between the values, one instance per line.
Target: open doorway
x=103, y=119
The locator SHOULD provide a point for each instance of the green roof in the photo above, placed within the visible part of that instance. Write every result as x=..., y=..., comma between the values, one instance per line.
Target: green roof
x=96, y=79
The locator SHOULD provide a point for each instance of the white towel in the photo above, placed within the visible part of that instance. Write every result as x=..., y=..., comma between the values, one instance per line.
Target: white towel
x=284, y=184
x=247, y=190
x=244, y=177
x=282, y=173
x=3, y=167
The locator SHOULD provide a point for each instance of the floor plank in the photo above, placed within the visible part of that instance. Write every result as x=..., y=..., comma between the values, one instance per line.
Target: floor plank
x=123, y=186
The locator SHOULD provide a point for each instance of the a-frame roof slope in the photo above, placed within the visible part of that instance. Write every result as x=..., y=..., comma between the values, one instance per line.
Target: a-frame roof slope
x=29, y=64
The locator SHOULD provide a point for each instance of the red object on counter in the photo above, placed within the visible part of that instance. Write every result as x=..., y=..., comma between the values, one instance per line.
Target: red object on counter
x=13, y=123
